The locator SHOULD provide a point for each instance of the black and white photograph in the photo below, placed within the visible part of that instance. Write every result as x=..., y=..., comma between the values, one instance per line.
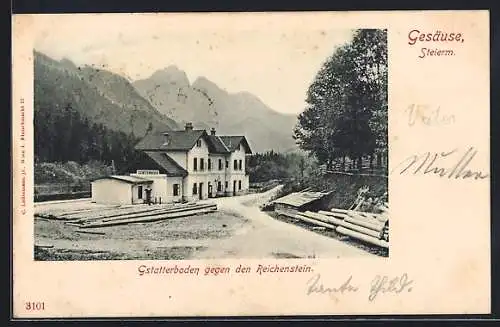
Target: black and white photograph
x=254, y=159
x=176, y=143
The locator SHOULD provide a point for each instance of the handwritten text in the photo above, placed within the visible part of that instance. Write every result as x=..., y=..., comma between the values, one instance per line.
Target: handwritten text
x=452, y=164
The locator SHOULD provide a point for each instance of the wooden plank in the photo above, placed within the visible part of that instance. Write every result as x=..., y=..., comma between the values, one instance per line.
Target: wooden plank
x=158, y=212
x=94, y=209
x=166, y=216
x=44, y=246
x=323, y=218
x=375, y=227
x=370, y=219
x=340, y=211
x=365, y=217
x=149, y=218
x=66, y=214
x=338, y=222
x=73, y=224
x=363, y=237
x=333, y=214
x=362, y=230
x=287, y=214
x=120, y=212
x=89, y=232
x=43, y=218
x=316, y=222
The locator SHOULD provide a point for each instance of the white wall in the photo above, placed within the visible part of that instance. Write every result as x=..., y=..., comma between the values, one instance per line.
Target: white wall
x=135, y=194
x=246, y=182
x=215, y=163
x=158, y=188
x=111, y=191
x=170, y=181
x=180, y=157
x=236, y=174
x=198, y=176
x=238, y=155
x=164, y=187
x=198, y=152
x=216, y=174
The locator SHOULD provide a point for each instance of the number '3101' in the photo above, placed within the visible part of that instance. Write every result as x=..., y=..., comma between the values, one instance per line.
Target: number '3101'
x=34, y=306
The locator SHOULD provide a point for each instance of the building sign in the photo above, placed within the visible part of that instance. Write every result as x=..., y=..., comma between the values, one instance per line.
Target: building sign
x=148, y=172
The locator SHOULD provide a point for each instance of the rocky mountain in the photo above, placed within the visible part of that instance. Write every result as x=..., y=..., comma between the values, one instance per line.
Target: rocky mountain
x=207, y=105
x=98, y=95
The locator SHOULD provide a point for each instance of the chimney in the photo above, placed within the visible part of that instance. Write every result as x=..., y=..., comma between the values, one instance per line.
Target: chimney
x=189, y=126
x=212, y=131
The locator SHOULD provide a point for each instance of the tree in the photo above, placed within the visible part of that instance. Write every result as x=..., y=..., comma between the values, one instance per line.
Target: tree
x=66, y=136
x=346, y=113
x=369, y=56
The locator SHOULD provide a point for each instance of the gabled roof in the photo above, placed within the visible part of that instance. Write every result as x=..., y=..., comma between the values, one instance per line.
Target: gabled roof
x=127, y=179
x=300, y=198
x=170, y=166
x=185, y=140
x=219, y=146
x=232, y=143
x=171, y=140
x=152, y=160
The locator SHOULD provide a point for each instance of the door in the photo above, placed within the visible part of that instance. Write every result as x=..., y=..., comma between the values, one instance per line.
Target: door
x=210, y=191
x=200, y=191
x=234, y=187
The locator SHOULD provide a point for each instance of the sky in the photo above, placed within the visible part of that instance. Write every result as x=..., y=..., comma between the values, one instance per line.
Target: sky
x=275, y=57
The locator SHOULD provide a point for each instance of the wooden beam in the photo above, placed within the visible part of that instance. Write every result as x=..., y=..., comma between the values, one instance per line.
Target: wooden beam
x=363, y=237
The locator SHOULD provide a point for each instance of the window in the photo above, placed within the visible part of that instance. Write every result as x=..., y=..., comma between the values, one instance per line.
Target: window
x=202, y=164
x=176, y=189
x=139, y=192
x=240, y=165
x=235, y=164
x=209, y=164
x=198, y=143
x=239, y=147
x=220, y=164
x=195, y=164
x=219, y=186
x=226, y=185
x=227, y=164
x=195, y=189
x=239, y=185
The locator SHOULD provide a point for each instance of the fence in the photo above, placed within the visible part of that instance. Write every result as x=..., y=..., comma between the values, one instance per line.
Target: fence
x=350, y=166
x=61, y=191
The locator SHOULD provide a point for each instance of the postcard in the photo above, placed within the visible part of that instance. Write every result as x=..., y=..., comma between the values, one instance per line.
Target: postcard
x=248, y=164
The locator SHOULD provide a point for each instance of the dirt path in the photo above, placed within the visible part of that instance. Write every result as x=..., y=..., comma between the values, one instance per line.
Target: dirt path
x=268, y=237
x=249, y=233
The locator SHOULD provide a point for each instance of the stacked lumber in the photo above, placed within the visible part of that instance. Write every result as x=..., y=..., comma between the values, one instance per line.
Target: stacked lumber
x=362, y=237
x=65, y=214
x=98, y=212
x=98, y=216
x=142, y=216
x=367, y=227
x=151, y=217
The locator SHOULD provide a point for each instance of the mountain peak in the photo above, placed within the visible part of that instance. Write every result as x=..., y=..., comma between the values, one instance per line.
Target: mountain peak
x=171, y=74
x=207, y=105
x=67, y=63
x=204, y=83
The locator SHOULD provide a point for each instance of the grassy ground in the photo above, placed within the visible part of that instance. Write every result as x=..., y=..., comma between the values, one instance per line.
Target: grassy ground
x=134, y=241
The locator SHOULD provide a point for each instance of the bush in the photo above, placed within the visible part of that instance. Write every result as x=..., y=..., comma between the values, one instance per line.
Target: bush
x=69, y=173
x=344, y=187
